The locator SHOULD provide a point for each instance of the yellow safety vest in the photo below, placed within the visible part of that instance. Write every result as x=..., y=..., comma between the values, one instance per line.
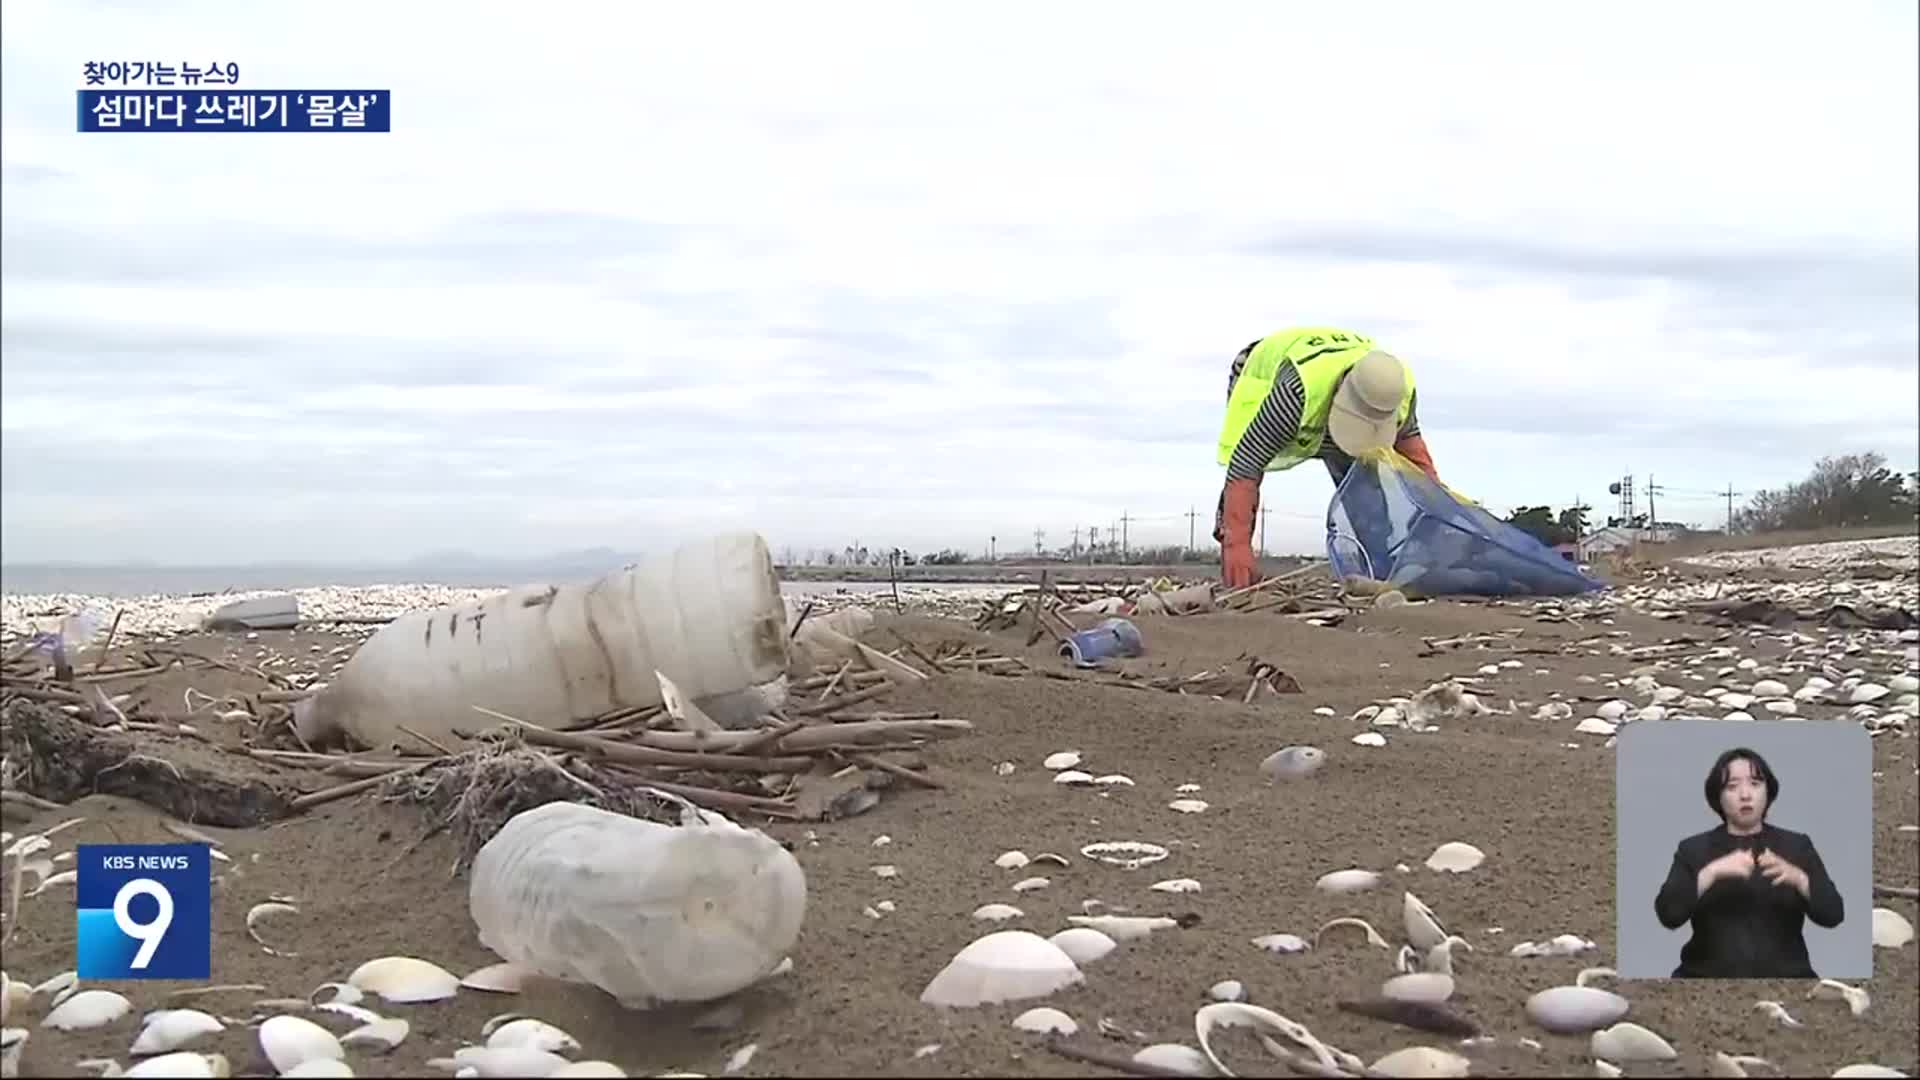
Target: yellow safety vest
x=1321, y=354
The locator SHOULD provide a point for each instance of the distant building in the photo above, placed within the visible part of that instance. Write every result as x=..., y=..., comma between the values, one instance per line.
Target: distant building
x=1615, y=538
x=1569, y=552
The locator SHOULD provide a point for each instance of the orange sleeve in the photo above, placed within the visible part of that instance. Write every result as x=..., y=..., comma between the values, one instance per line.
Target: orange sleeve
x=1414, y=449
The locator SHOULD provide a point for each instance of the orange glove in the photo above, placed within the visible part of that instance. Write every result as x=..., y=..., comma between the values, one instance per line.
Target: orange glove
x=1414, y=449
x=1242, y=499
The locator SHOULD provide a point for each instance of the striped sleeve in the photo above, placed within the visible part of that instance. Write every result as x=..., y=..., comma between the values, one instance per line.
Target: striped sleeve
x=1273, y=427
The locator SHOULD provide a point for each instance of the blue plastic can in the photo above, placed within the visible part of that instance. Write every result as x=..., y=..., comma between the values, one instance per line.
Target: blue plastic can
x=1112, y=638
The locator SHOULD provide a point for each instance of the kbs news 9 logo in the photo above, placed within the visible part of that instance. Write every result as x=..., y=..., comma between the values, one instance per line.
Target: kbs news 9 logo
x=144, y=911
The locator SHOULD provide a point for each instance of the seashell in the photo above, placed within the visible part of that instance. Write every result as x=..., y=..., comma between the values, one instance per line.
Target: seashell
x=1777, y=1012
x=1008, y=965
x=1113, y=779
x=1072, y=776
x=168, y=1030
x=1047, y=857
x=1652, y=714
x=1293, y=762
x=1423, y=928
x=1852, y=1072
x=1593, y=725
x=1186, y=789
x=87, y=1009
x=13, y=995
x=181, y=1065
x=1011, y=860
x=1266, y=1023
x=1065, y=759
x=1176, y=1058
x=1554, y=710
x=1282, y=943
x=291, y=1040
x=997, y=912
x=1780, y=708
x=1084, y=944
x=342, y=993
x=589, y=1070
x=1124, y=927
x=1903, y=684
x=1188, y=806
x=1631, y=1042
x=354, y=1012
x=1455, y=857
x=1732, y=700
x=1733, y=1066
x=1856, y=997
x=1347, y=881
x=527, y=1032
x=1891, y=929
x=1867, y=692
x=1612, y=710
x=1369, y=738
x=1587, y=975
x=261, y=911
x=739, y=1059
x=1425, y=987
x=495, y=1061
x=1569, y=1010
x=1605, y=1069
x=1031, y=884
x=1176, y=885
x=498, y=978
x=1126, y=854
x=378, y=1036
x=404, y=979
x=1373, y=936
x=1739, y=716
x=1770, y=688
x=1045, y=1021
x=1420, y=1061
x=1227, y=990
x=1387, y=717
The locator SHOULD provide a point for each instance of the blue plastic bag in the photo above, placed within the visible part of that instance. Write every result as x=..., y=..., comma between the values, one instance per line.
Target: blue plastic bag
x=1390, y=522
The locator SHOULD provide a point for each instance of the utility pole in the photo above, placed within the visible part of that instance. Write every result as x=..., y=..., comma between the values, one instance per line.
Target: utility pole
x=1123, y=535
x=1039, y=541
x=1730, y=493
x=1074, y=551
x=993, y=546
x=1093, y=543
x=1192, y=515
x=1653, y=514
x=1264, y=511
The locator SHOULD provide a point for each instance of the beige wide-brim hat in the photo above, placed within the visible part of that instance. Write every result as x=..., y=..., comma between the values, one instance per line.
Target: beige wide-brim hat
x=1361, y=418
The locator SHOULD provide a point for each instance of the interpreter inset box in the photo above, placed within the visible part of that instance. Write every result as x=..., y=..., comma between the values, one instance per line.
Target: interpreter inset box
x=1744, y=850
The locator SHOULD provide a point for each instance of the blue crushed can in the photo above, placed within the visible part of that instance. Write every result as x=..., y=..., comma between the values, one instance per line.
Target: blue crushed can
x=1112, y=638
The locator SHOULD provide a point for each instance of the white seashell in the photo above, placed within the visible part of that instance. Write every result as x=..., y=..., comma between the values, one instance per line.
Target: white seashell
x=529, y=1033
x=1124, y=927
x=1126, y=854
x=59, y=986
x=182, y=1065
x=1733, y=1066
x=1420, y=1061
x=1265, y=1023
x=1903, y=684
x=740, y=1058
x=1065, y=759
x=1227, y=990
x=1008, y=965
x=1777, y=1012
x=1423, y=928
x=290, y=1040
x=1113, y=779
x=1347, y=881
x=1769, y=688
x=342, y=993
x=1455, y=857
x=1860, y=1072
x=87, y=1009
x=357, y=1013
x=1554, y=710
x=1369, y=738
x=1605, y=1069
x=1867, y=692
x=1176, y=1058
x=588, y=1070
x=1030, y=884
x=1048, y=857
x=404, y=979
x=1857, y=999
x=1373, y=936
x=1011, y=860
x=1428, y=987
x=320, y=1067
x=1072, y=776
x=1631, y=1042
x=1780, y=708
x=1587, y=975
x=1188, y=806
x=1083, y=943
x=1293, y=762
x=1045, y=1021
x=498, y=978
x=1612, y=710
x=1593, y=725
x=1732, y=700
x=886, y=871
x=1283, y=943
x=170, y=1029
x=13, y=995
x=261, y=911
x=1186, y=789
x=379, y=1036
x=1176, y=885
x=1387, y=717
x=1569, y=1010
x=13, y=1046
x=511, y=1061
x=997, y=912
x=1891, y=929
x=1739, y=716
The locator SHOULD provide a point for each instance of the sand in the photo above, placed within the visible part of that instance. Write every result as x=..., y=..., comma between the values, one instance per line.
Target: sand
x=1537, y=798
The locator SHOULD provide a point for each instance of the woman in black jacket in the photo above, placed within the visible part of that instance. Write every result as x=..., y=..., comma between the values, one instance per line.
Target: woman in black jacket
x=1746, y=886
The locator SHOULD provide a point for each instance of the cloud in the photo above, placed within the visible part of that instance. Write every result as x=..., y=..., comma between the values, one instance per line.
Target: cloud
x=671, y=277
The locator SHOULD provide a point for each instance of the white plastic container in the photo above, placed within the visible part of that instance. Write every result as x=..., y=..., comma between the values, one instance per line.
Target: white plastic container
x=708, y=615
x=652, y=914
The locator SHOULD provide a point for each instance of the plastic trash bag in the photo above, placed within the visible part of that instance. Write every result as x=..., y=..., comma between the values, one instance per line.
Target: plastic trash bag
x=1390, y=522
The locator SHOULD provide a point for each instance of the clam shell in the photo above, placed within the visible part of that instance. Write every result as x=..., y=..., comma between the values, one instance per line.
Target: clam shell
x=1630, y=1042
x=1569, y=1010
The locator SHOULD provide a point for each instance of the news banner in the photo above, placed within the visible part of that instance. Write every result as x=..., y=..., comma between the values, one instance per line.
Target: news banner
x=143, y=911
x=120, y=95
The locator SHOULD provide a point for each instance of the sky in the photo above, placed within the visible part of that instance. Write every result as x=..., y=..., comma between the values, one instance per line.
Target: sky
x=921, y=275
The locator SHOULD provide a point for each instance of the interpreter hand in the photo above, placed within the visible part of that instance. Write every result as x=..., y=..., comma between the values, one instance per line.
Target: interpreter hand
x=1237, y=569
x=1781, y=872
x=1735, y=864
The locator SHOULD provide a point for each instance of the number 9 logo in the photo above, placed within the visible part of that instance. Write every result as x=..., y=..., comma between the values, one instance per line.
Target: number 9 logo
x=150, y=934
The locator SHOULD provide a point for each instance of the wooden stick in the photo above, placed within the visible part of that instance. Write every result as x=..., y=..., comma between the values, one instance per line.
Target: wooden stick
x=283, y=697
x=762, y=741
x=26, y=799
x=822, y=708
x=647, y=755
x=827, y=691
x=900, y=771
x=355, y=787
x=712, y=798
x=803, y=740
x=1895, y=890
x=108, y=646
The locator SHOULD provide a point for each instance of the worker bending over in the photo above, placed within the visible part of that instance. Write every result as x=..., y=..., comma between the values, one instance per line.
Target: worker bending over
x=1288, y=392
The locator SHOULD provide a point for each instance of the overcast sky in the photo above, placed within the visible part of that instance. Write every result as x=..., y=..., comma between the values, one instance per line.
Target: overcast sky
x=625, y=273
